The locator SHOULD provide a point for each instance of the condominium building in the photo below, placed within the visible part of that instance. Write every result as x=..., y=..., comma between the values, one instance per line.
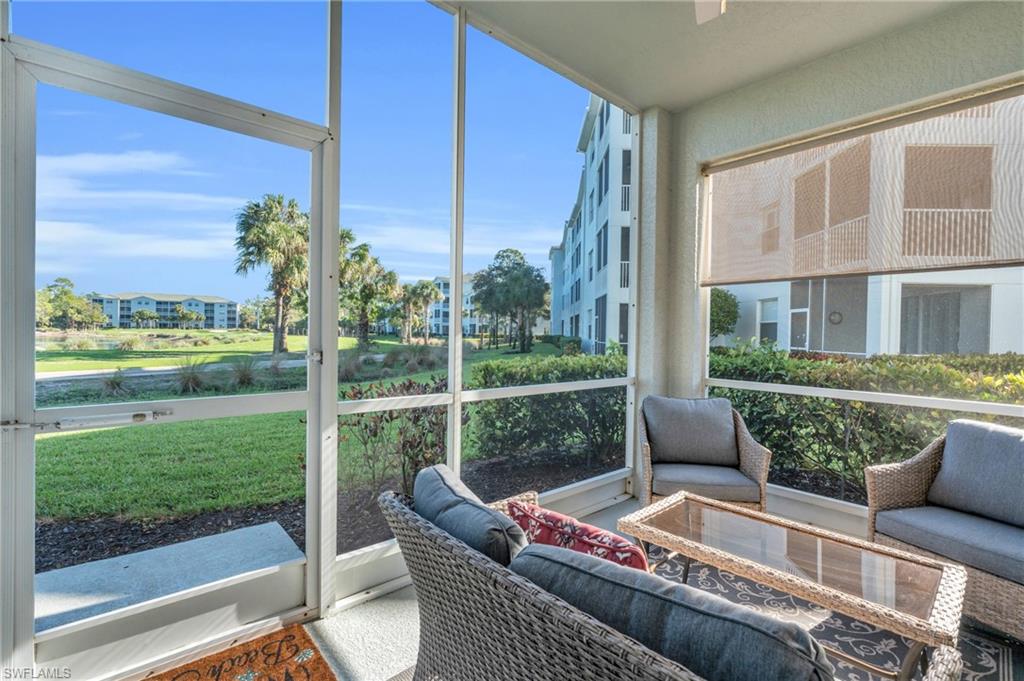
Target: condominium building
x=940, y=189
x=590, y=271
x=218, y=313
x=473, y=321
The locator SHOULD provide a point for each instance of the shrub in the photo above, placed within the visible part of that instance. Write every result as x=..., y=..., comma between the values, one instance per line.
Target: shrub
x=243, y=372
x=114, y=384
x=198, y=342
x=78, y=344
x=393, y=358
x=396, y=443
x=593, y=421
x=725, y=312
x=130, y=344
x=837, y=439
x=572, y=345
x=190, y=375
x=348, y=367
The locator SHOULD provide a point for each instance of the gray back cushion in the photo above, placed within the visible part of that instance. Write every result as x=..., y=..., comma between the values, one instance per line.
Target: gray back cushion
x=691, y=431
x=444, y=500
x=982, y=471
x=715, y=639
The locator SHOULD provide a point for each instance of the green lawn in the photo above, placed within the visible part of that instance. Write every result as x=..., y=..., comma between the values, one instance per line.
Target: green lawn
x=174, y=469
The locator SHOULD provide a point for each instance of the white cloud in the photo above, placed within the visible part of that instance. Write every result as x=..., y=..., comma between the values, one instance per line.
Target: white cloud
x=69, y=182
x=66, y=242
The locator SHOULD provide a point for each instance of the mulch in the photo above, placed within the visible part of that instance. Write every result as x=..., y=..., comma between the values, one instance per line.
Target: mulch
x=63, y=543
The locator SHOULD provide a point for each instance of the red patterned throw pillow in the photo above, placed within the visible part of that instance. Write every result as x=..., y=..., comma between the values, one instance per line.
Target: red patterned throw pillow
x=548, y=527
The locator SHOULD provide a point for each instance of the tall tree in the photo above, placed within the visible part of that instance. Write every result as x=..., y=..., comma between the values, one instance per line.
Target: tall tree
x=511, y=287
x=275, y=233
x=366, y=288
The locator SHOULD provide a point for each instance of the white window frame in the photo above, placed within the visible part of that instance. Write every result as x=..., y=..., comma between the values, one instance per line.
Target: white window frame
x=332, y=581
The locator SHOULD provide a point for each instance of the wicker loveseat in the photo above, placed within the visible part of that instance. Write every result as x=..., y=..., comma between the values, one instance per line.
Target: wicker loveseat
x=481, y=621
x=972, y=514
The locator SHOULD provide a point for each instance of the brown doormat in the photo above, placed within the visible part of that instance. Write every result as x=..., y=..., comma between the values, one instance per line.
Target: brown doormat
x=285, y=655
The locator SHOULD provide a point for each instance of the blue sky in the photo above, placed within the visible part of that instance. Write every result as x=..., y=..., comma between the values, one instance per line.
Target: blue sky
x=132, y=200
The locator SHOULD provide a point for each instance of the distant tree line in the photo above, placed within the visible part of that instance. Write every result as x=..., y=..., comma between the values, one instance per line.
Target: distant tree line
x=274, y=233
x=59, y=307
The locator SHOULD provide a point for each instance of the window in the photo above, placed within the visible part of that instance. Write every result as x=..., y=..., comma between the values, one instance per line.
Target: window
x=604, y=179
x=602, y=172
x=624, y=244
x=623, y=324
x=600, y=324
x=602, y=247
x=601, y=119
x=627, y=166
x=590, y=265
x=944, y=320
x=590, y=206
x=768, y=320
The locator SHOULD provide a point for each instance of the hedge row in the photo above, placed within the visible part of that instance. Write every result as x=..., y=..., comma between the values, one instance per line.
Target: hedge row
x=590, y=422
x=835, y=440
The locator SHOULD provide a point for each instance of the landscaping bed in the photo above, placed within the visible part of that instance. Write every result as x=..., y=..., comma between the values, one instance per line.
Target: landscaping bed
x=62, y=543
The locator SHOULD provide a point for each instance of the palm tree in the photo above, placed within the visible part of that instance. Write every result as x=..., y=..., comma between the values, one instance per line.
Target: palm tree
x=365, y=288
x=426, y=293
x=275, y=233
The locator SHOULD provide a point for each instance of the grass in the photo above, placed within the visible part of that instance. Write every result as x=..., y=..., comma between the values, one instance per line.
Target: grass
x=176, y=469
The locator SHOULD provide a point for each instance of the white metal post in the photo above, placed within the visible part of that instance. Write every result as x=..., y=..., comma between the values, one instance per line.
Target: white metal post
x=322, y=417
x=455, y=289
x=17, y=370
x=632, y=408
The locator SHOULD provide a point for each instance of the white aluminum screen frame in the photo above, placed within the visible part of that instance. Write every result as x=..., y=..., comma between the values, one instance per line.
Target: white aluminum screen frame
x=23, y=63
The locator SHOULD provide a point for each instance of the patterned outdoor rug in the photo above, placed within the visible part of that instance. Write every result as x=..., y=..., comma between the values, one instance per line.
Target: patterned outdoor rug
x=986, y=657
x=285, y=655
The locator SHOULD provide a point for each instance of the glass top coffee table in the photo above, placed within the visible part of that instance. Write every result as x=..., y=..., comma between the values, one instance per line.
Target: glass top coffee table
x=909, y=595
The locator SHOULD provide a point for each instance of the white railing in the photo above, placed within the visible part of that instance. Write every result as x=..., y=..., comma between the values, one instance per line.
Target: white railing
x=836, y=247
x=947, y=232
x=627, y=123
x=624, y=274
x=847, y=242
x=625, y=198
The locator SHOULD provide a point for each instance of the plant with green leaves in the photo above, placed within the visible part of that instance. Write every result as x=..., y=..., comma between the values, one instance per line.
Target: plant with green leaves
x=511, y=287
x=725, y=313
x=274, y=233
x=366, y=289
x=145, y=319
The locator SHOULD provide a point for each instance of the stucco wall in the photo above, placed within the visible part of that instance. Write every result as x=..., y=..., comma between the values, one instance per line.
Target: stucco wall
x=963, y=47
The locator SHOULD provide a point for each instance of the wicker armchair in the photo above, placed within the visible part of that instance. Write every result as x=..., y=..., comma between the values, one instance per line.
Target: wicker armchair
x=992, y=600
x=754, y=462
x=479, y=620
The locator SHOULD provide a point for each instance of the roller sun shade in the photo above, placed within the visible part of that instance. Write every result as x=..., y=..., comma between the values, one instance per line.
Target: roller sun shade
x=943, y=192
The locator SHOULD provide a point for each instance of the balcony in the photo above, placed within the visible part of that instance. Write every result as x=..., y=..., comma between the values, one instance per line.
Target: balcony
x=943, y=233
x=624, y=274
x=624, y=205
x=833, y=249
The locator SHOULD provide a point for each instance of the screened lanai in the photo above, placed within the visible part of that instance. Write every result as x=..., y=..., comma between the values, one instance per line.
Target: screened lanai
x=261, y=262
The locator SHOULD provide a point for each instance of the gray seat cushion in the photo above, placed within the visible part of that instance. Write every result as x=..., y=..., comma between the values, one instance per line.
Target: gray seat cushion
x=715, y=482
x=691, y=431
x=444, y=500
x=715, y=639
x=982, y=543
x=982, y=471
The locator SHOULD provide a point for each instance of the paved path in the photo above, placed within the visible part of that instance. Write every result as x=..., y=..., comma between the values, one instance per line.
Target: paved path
x=80, y=374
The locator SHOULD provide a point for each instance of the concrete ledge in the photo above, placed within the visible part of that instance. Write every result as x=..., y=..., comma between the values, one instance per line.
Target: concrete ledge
x=87, y=591
x=814, y=509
